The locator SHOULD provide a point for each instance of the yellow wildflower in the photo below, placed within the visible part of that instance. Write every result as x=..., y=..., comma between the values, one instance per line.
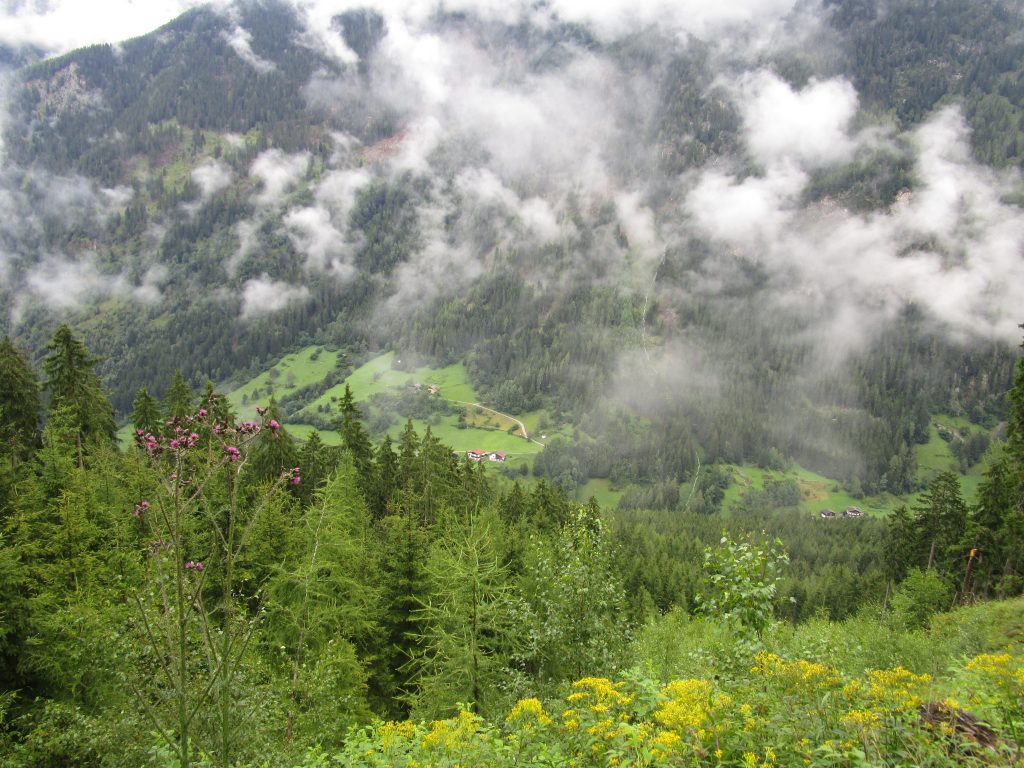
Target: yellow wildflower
x=688, y=704
x=895, y=690
x=392, y=732
x=993, y=664
x=862, y=718
x=796, y=674
x=663, y=744
x=529, y=713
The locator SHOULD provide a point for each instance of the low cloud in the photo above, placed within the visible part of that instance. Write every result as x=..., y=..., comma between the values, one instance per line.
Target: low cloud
x=953, y=245
x=57, y=26
x=149, y=291
x=277, y=173
x=240, y=40
x=211, y=177
x=319, y=232
x=315, y=236
x=807, y=126
x=263, y=296
x=62, y=283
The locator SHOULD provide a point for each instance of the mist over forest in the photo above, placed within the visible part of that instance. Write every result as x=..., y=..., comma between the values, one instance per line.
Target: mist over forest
x=681, y=211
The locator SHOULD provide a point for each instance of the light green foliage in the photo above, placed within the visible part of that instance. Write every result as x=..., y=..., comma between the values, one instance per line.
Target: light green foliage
x=919, y=596
x=576, y=599
x=470, y=618
x=321, y=604
x=741, y=581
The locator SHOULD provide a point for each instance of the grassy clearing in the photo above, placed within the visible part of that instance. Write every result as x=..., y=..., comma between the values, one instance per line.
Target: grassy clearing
x=480, y=417
x=448, y=432
x=293, y=372
x=302, y=432
x=936, y=456
x=379, y=375
x=602, y=490
x=817, y=492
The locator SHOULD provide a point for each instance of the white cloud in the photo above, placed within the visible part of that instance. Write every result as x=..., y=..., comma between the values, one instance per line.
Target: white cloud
x=211, y=177
x=278, y=172
x=240, y=40
x=809, y=126
x=61, y=283
x=953, y=246
x=57, y=26
x=247, y=241
x=263, y=296
x=149, y=290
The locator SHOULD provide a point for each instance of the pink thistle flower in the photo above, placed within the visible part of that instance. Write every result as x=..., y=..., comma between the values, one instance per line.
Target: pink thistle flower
x=274, y=424
x=296, y=480
x=202, y=412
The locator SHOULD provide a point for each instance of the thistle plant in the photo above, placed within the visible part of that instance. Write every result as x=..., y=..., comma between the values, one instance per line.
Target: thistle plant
x=196, y=635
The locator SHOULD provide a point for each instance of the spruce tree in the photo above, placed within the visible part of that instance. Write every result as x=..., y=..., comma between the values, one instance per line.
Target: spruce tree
x=356, y=440
x=941, y=521
x=19, y=403
x=72, y=384
x=146, y=413
x=177, y=402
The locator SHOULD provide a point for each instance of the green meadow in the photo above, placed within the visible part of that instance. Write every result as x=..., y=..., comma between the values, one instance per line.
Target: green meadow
x=290, y=374
x=380, y=375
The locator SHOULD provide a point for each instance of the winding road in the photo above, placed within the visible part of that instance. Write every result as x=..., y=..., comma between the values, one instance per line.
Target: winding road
x=522, y=426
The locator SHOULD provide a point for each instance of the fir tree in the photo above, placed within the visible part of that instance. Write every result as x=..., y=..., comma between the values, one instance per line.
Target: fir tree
x=356, y=440
x=146, y=413
x=177, y=402
x=74, y=385
x=19, y=403
x=385, y=478
x=941, y=521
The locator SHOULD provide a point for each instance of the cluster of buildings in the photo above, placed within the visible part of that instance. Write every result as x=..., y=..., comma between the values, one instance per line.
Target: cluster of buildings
x=478, y=455
x=828, y=514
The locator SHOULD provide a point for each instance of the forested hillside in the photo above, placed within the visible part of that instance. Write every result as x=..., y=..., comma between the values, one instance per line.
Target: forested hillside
x=220, y=593
x=682, y=252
